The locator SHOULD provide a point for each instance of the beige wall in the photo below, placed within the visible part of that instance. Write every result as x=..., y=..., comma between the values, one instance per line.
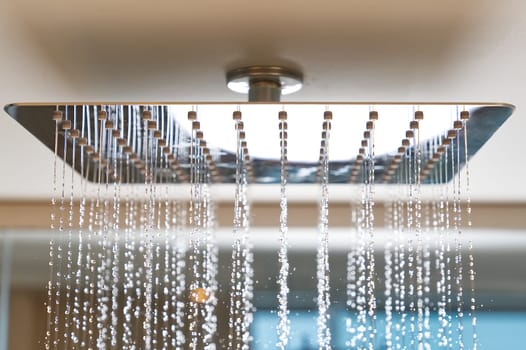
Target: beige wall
x=27, y=319
x=19, y=214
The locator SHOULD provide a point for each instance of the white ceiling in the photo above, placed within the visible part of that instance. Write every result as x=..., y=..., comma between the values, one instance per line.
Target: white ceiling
x=409, y=50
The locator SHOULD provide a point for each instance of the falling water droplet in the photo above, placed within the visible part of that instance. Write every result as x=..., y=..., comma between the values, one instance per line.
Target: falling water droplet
x=389, y=290
x=283, y=328
x=322, y=257
x=471, y=261
x=240, y=315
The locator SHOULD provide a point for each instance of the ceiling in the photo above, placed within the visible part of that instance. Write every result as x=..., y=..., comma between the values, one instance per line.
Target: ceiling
x=408, y=50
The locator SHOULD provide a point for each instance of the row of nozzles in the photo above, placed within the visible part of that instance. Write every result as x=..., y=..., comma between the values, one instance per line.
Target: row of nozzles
x=149, y=144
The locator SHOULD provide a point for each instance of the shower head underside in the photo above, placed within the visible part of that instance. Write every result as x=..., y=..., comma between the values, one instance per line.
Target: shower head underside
x=124, y=142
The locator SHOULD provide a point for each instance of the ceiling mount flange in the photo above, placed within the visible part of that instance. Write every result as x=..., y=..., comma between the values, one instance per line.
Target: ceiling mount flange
x=264, y=83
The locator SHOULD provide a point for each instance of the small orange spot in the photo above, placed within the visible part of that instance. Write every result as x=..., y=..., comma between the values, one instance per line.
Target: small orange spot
x=199, y=295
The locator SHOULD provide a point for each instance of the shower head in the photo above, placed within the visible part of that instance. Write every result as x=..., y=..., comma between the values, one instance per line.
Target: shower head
x=121, y=141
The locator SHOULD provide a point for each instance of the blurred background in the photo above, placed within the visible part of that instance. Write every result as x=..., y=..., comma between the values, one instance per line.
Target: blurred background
x=401, y=51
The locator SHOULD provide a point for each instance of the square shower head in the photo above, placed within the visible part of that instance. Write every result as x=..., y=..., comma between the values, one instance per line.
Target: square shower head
x=119, y=143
